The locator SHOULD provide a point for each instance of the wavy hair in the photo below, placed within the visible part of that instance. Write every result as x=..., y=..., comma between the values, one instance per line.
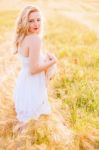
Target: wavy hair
x=22, y=25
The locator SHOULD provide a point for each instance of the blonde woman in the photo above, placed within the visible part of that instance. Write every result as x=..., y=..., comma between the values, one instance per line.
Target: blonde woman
x=30, y=94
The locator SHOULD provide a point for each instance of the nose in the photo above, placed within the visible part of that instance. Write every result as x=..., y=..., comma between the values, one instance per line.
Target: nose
x=36, y=23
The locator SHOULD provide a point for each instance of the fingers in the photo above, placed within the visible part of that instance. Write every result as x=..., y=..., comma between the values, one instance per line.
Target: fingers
x=51, y=57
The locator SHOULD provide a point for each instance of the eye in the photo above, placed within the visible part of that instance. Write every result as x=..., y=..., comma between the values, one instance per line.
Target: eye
x=31, y=20
x=38, y=19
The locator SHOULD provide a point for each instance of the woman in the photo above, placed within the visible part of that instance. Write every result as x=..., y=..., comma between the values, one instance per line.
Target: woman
x=30, y=94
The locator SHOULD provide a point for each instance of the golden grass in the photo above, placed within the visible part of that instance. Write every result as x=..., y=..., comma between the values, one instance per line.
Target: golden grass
x=73, y=94
x=7, y=21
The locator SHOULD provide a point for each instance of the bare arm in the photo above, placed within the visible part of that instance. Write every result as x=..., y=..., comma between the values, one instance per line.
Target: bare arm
x=34, y=55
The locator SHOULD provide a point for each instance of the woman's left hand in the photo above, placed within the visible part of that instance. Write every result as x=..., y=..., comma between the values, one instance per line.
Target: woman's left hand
x=51, y=56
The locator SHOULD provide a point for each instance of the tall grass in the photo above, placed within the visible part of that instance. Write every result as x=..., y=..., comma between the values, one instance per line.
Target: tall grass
x=77, y=83
x=7, y=22
x=73, y=93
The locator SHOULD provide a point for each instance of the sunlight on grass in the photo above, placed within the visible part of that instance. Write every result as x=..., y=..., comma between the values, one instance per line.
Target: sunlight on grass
x=77, y=82
x=7, y=21
x=73, y=93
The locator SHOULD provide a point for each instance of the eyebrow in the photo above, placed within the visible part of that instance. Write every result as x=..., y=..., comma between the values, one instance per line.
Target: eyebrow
x=33, y=19
x=30, y=19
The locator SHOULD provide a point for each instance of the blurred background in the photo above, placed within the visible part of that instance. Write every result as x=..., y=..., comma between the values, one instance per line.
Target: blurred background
x=71, y=32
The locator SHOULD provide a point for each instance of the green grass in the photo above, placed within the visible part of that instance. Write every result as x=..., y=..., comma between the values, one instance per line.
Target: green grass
x=77, y=82
x=76, y=85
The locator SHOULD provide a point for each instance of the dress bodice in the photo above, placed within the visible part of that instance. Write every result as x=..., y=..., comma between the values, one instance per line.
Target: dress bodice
x=25, y=60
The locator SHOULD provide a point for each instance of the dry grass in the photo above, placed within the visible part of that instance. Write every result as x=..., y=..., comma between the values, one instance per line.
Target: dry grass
x=73, y=94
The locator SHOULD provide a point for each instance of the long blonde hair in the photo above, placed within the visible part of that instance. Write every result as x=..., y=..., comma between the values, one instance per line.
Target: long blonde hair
x=22, y=26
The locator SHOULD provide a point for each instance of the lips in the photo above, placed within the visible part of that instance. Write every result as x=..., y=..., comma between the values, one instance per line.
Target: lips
x=35, y=28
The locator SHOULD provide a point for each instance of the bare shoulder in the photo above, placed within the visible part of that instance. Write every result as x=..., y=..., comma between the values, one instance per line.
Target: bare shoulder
x=33, y=38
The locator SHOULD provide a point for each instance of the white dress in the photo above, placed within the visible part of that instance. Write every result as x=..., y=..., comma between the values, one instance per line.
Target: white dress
x=30, y=93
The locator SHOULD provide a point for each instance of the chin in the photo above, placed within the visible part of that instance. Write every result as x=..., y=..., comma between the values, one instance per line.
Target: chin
x=37, y=32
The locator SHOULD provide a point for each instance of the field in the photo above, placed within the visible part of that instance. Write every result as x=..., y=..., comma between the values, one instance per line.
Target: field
x=71, y=32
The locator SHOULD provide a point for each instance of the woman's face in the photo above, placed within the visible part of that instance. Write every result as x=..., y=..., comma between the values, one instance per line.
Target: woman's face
x=34, y=22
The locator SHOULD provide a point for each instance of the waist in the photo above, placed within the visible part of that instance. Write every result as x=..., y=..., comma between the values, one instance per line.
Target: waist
x=25, y=70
